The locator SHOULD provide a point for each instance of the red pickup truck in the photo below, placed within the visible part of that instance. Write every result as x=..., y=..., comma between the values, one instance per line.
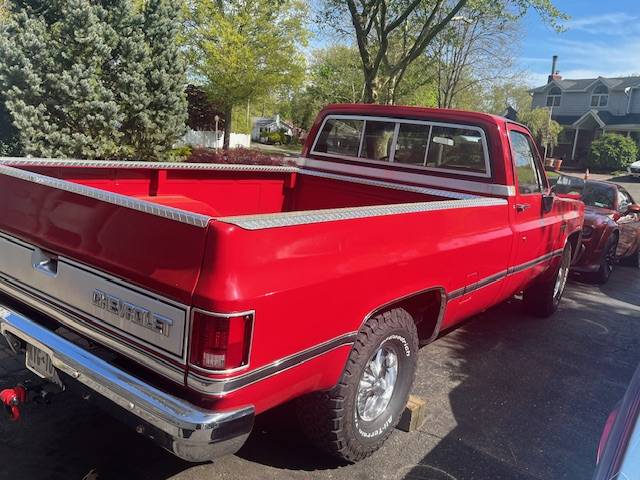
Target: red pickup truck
x=187, y=298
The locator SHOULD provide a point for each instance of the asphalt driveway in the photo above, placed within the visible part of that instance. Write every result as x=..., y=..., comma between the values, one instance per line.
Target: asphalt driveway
x=509, y=397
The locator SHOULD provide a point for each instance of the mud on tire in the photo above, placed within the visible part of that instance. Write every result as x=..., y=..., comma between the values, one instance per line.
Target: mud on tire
x=332, y=420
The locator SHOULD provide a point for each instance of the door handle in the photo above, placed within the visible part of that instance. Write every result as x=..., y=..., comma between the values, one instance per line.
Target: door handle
x=521, y=207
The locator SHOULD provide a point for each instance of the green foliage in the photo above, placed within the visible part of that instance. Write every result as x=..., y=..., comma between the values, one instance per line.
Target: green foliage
x=612, y=152
x=179, y=154
x=92, y=79
x=246, y=50
x=543, y=129
x=9, y=140
x=277, y=138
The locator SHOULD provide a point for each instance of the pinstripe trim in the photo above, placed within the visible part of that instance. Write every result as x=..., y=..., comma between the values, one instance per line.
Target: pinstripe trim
x=502, y=275
x=224, y=386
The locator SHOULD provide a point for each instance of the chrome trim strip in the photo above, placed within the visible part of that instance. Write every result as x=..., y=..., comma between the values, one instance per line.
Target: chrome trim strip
x=431, y=123
x=175, y=214
x=257, y=222
x=408, y=177
x=502, y=275
x=221, y=387
x=125, y=164
x=193, y=430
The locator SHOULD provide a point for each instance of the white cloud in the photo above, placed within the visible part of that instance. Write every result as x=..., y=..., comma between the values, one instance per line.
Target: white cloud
x=612, y=24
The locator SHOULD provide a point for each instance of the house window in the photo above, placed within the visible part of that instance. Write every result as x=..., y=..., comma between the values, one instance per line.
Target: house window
x=553, y=98
x=600, y=97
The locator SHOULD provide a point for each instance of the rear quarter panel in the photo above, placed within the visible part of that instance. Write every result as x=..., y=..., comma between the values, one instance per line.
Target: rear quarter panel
x=311, y=283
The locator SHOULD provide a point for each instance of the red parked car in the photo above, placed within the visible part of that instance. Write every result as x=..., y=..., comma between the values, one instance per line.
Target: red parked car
x=188, y=298
x=611, y=231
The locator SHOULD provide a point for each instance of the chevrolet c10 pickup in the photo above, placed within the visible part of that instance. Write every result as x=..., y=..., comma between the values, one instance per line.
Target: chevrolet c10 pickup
x=188, y=298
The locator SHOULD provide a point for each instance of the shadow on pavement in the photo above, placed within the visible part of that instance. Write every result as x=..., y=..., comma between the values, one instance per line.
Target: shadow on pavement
x=533, y=395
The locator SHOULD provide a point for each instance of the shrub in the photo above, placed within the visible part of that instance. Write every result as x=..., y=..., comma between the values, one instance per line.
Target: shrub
x=612, y=152
x=242, y=156
x=276, y=138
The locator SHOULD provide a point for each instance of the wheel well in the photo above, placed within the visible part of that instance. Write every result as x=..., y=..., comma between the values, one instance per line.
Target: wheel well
x=426, y=308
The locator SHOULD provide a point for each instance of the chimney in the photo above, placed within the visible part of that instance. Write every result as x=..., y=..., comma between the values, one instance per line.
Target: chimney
x=555, y=74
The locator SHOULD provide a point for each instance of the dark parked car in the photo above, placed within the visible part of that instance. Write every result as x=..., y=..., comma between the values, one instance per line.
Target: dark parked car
x=611, y=229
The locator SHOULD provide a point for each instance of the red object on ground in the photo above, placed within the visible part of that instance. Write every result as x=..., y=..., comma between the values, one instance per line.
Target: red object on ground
x=12, y=398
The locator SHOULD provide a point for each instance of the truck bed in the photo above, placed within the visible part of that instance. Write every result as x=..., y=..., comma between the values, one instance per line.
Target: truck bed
x=234, y=190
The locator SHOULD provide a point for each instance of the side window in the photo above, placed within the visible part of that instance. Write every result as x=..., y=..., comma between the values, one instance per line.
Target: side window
x=411, y=147
x=340, y=137
x=529, y=180
x=378, y=138
x=624, y=201
x=457, y=149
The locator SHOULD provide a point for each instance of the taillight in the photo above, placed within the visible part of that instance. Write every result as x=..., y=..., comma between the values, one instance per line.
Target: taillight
x=220, y=343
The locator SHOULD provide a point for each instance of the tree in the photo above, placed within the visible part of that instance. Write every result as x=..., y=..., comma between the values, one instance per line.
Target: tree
x=246, y=49
x=472, y=52
x=80, y=80
x=543, y=129
x=392, y=34
x=507, y=94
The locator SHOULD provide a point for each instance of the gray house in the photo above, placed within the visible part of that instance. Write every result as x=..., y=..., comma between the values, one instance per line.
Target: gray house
x=588, y=108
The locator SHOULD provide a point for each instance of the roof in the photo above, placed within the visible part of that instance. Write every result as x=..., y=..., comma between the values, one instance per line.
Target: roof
x=583, y=84
x=606, y=118
x=265, y=121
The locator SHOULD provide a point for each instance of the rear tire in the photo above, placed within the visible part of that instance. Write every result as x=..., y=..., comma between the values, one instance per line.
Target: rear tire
x=543, y=297
x=351, y=421
x=607, y=262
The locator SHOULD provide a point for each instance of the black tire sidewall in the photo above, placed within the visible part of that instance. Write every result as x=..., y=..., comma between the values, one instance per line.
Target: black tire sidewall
x=372, y=432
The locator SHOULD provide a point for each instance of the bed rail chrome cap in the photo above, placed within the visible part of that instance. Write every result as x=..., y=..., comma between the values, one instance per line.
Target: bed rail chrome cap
x=195, y=434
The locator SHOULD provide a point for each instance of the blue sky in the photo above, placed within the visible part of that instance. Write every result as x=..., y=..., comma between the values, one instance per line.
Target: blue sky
x=601, y=38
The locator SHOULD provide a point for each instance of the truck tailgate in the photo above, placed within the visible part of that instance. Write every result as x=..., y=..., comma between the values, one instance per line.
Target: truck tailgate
x=128, y=266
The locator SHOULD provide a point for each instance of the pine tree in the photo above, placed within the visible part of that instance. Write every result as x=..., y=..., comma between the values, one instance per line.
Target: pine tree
x=94, y=79
x=51, y=79
x=166, y=114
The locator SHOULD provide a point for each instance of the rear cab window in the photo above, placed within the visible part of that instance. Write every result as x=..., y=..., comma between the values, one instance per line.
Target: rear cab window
x=427, y=145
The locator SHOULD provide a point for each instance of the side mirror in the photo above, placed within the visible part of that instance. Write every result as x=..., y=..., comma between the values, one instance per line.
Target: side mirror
x=547, y=202
x=633, y=208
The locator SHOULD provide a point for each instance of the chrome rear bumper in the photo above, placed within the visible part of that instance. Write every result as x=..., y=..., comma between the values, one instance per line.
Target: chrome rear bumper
x=190, y=432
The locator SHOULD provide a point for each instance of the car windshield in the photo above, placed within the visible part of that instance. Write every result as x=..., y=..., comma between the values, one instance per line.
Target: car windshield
x=593, y=194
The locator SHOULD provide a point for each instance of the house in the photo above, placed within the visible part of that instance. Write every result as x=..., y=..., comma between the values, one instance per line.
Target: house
x=265, y=125
x=588, y=108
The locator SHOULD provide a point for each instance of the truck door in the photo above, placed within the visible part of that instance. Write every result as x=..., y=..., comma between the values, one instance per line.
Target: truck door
x=533, y=228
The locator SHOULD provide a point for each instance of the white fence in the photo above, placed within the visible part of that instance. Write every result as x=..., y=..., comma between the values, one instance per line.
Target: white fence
x=208, y=139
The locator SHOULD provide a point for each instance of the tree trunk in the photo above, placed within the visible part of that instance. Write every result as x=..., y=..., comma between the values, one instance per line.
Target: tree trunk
x=227, y=128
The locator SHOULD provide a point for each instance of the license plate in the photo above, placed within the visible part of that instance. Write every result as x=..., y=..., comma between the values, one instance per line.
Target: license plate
x=39, y=362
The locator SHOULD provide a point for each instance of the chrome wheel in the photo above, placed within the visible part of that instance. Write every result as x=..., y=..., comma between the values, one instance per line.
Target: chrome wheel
x=563, y=274
x=377, y=384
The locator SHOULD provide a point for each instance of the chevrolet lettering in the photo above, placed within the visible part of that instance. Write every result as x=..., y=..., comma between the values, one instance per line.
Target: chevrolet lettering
x=132, y=313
